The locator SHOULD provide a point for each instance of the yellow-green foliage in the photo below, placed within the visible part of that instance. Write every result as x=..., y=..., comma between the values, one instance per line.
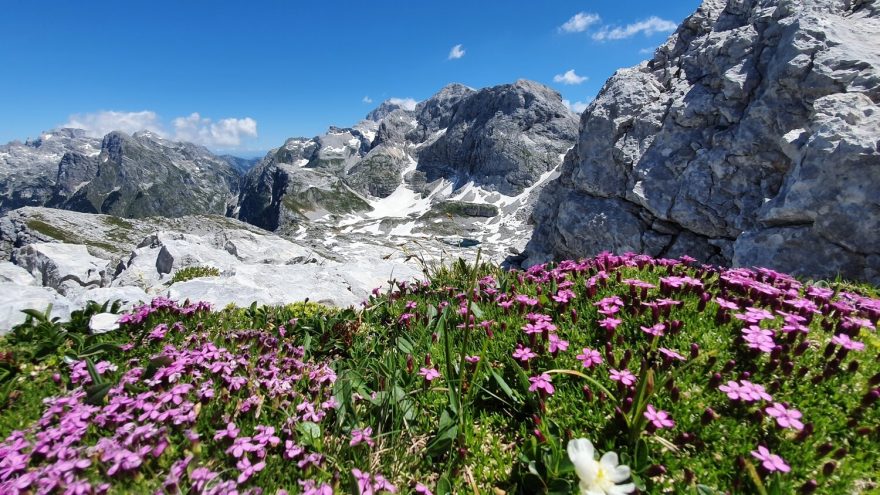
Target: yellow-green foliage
x=192, y=272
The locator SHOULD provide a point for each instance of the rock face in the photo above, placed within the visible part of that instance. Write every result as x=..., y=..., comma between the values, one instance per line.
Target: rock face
x=143, y=175
x=502, y=139
x=751, y=138
x=28, y=170
x=128, y=176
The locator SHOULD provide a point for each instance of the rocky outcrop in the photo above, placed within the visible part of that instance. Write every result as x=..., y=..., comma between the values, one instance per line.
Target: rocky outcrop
x=503, y=138
x=28, y=170
x=143, y=175
x=749, y=138
x=128, y=176
x=67, y=268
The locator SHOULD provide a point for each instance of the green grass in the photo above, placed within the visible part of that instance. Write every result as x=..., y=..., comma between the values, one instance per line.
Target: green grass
x=478, y=429
x=191, y=272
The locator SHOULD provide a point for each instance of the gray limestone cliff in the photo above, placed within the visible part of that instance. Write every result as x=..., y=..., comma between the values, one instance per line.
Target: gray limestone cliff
x=751, y=137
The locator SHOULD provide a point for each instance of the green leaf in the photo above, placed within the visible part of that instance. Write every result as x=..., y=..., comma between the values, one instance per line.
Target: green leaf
x=447, y=431
x=36, y=315
x=98, y=349
x=405, y=345
x=502, y=384
x=154, y=365
x=93, y=372
x=431, y=313
x=444, y=486
x=95, y=393
x=309, y=433
x=477, y=312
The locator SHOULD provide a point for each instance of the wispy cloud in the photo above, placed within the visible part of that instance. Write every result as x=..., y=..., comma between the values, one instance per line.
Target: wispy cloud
x=576, y=107
x=569, y=78
x=367, y=99
x=456, y=52
x=224, y=133
x=405, y=103
x=579, y=22
x=648, y=27
x=100, y=123
x=646, y=51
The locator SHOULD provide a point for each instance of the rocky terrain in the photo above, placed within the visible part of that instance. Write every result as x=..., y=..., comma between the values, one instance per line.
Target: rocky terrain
x=750, y=138
x=406, y=171
x=66, y=258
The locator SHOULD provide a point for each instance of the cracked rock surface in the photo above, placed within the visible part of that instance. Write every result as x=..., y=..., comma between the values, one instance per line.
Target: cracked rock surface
x=751, y=137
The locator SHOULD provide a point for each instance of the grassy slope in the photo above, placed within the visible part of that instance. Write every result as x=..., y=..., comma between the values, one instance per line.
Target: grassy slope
x=483, y=429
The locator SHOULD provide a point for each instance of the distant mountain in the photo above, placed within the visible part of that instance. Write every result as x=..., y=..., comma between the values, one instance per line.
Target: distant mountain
x=29, y=170
x=129, y=176
x=398, y=163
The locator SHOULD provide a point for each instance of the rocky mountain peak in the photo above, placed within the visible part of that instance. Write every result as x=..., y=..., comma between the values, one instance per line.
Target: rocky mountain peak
x=385, y=108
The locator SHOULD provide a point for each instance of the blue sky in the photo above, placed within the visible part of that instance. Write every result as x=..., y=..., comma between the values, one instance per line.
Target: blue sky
x=245, y=76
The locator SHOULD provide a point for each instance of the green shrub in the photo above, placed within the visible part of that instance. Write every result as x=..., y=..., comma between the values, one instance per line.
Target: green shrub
x=192, y=272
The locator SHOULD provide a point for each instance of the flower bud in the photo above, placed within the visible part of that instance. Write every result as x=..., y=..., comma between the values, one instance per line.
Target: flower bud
x=695, y=350
x=853, y=366
x=809, y=487
x=655, y=470
x=824, y=449
x=828, y=468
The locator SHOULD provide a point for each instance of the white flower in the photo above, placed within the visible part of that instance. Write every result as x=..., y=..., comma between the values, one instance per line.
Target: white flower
x=598, y=477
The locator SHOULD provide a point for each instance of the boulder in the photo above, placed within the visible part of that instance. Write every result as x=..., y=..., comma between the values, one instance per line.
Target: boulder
x=14, y=274
x=67, y=268
x=18, y=297
x=103, y=323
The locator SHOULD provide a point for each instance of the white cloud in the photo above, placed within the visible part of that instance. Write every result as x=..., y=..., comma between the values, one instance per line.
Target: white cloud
x=223, y=133
x=646, y=51
x=98, y=124
x=456, y=52
x=367, y=99
x=569, y=78
x=649, y=26
x=576, y=107
x=579, y=22
x=405, y=103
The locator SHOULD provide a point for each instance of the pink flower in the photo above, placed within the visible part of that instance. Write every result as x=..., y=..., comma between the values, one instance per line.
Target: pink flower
x=785, y=418
x=430, y=374
x=660, y=419
x=523, y=353
x=247, y=469
x=421, y=489
x=359, y=436
x=625, y=377
x=542, y=383
x=745, y=391
x=656, y=330
x=847, y=343
x=229, y=432
x=589, y=357
x=557, y=344
x=771, y=462
x=671, y=354
x=609, y=323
